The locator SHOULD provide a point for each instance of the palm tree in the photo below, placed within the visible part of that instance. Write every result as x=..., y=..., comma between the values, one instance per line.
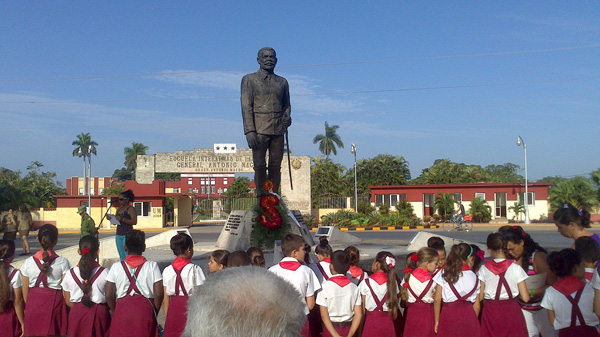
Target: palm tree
x=517, y=208
x=444, y=204
x=480, y=210
x=84, y=147
x=328, y=141
x=577, y=191
x=131, y=154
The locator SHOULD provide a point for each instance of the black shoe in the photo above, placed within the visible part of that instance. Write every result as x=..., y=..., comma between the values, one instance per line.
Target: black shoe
x=23, y=254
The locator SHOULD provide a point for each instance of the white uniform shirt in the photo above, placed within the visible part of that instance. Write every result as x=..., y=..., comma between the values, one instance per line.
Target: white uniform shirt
x=554, y=300
x=58, y=268
x=340, y=301
x=317, y=272
x=379, y=289
x=303, y=279
x=514, y=274
x=187, y=276
x=357, y=280
x=418, y=287
x=595, y=282
x=16, y=281
x=589, y=274
x=463, y=286
x=149, y=275
x=97, y=294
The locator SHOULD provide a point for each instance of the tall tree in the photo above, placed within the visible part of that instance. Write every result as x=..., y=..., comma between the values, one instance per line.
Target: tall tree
x=444, y=204
x=383, y=169
x=577, y=191
x=240, y=188
x=329, y=140
x=131, y=154
x=84, y=148
x=328, y=179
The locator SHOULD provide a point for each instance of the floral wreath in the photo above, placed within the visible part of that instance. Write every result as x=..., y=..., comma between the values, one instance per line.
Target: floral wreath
x=271, y=222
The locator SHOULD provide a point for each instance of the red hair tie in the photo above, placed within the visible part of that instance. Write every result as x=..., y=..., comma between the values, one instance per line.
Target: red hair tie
x=407, y=270
x=405, y=284
x=414, y=258
x=85, y=251
x=481, y=254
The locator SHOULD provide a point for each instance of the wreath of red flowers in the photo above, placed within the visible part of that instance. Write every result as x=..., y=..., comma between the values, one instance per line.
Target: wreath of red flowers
x=270, y=217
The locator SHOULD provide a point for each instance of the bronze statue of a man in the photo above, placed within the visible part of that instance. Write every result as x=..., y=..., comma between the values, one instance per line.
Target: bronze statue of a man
x=266, y=114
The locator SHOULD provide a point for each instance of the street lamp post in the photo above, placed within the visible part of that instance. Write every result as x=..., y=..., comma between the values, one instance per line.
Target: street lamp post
x=353, y=151
x=89, y=180
x=519, y=143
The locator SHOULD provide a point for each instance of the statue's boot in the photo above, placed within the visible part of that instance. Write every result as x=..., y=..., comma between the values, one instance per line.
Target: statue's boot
x=275, y=177
x=260, y=176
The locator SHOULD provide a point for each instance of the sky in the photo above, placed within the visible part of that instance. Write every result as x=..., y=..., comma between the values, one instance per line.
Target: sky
x=423, y=80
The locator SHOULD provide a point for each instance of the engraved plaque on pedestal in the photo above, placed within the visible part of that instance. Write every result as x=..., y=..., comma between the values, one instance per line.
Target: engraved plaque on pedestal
x=235, y=235
x=299, y=227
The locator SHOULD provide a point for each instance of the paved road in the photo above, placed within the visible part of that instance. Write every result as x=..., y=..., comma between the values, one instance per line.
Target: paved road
x=545, y=235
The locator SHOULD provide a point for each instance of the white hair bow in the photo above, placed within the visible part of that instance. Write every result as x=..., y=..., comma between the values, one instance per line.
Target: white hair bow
x=390, y=261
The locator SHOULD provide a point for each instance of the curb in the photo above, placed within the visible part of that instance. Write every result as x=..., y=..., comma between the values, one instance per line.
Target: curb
x=361, y=229
x=77, y=231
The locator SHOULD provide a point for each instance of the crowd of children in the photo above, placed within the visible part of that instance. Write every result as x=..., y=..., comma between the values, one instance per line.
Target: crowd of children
x=520, y=291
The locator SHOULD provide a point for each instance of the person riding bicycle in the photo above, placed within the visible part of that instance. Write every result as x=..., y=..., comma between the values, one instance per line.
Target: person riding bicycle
x=459, y=214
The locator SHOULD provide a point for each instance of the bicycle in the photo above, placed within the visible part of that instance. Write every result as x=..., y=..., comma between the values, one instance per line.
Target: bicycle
x=466, y=225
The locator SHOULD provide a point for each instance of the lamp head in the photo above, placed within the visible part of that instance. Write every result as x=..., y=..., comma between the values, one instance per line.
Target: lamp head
x=519, y=141
x=353, y=149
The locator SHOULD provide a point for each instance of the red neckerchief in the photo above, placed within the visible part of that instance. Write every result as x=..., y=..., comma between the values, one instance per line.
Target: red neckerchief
x=290, y=265
x=498, y=267
x=465, y=267
x=135, y=261
x=180, y=262
x=379, y=277
x=40, y=254
x=568, y=285
x=422, y=275
x=340, y=280
x=327, y=259
x=589, y=275
x=356, y=271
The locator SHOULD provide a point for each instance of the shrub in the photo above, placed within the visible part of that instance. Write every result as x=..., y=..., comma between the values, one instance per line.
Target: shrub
x=384, y=209
x=365, y=208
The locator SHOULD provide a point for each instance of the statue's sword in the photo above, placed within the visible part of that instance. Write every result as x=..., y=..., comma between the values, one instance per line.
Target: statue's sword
x=287, y=142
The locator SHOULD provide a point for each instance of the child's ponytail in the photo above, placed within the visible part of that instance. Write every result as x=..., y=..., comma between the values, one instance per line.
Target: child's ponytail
x=563, y=263
x=7, y=250
x=47, y=237
x=411, y=264
x=88, y=246
x=387, y=262
x=458, y=256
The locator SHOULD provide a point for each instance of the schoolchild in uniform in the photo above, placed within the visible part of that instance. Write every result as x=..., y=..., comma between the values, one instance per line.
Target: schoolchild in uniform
x=218, y=260
x=11, y=295
x=300, y=276
x=134, y=291
x=417, y=291
x=355, y=273
x=239, y=258
x=589, y=250
x=42, y=273
x=380, y=297
x=257, y=257
x=339, y=300
x=502, y=281
x=438, y=244
x=570, y=301
x=458, y=287
x=323, y=273
x=180, y=280
x=83, y=290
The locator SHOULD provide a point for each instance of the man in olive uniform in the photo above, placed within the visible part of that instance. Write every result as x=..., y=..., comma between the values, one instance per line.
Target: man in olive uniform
x=88, y=226
x=266, y=115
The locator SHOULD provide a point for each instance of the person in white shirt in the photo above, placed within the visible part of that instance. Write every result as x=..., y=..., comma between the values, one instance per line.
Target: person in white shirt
x=83, y=290
x=321, y=269
x=134, y=291
x=11, y=295
x=42, y=273
x=589, y=250
x=458, y=287
x=570, y=297
x=380, y=297
x=502, y=281
x=339, y=300
x=355, y=273
x=300, y=276
x=180, y=279
x=417, y=292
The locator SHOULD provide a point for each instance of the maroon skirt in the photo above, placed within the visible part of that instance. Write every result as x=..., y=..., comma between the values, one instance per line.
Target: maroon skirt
x=379, y=324
x=9, y=322
x=458, y=319
x=420, y=320
x=579, y=331
x=89, y=322
x=305, y=332
x=134, y=317
x=45, y=313
x=503, y=318
x=399, y=323
x=314, y=321
x=340, y=331
x=176, y=316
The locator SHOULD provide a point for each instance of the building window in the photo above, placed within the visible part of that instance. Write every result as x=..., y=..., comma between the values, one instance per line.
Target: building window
x=202, y=181
x=530, y=198
x=225, y=190
x=91, y=191
x=457, y=197
x=101, y=191
x=190, y=190
x=143, y=208
x=190, y=181
x=203, y=190
x=212, y=182
x=212, y=189
x=480, y=196
x=224, y=181
x=176, y=190
x=81, y=191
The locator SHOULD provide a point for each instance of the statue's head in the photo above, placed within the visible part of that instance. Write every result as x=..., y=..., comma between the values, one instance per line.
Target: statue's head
x=267, y=58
